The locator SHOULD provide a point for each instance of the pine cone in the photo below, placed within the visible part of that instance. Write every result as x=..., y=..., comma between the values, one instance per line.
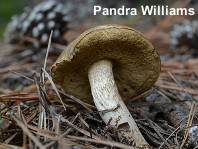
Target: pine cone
x=184, y=37
x=38, y=23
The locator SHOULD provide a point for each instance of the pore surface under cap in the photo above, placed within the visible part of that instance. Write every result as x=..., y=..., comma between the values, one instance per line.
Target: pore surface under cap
x=136, y=63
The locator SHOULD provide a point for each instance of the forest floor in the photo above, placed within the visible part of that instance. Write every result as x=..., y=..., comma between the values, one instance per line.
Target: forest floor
x=32, y=113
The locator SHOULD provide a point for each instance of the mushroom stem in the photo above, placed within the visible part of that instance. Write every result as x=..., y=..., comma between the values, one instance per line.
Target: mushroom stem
x=112, y=109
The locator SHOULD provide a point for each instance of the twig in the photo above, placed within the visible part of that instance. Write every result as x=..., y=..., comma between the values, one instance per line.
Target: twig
x=22, y=75
x=180, y=85
x=30, y=135
x=54, y=87
x=79, y=129
x=151, y=123
x=189, y=123
x=113, y=144
x=48, y=47
x=169, y=136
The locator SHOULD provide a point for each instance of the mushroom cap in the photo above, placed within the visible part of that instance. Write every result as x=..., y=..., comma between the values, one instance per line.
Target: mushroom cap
x=136, y=63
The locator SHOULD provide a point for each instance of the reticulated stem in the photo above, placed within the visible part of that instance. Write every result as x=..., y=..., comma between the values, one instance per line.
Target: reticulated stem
x=108, y=101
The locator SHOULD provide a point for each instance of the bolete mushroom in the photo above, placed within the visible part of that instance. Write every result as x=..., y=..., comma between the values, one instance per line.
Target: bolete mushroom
x=109, y=65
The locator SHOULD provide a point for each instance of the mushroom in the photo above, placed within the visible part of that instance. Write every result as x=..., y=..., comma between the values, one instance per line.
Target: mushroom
x=109, y=65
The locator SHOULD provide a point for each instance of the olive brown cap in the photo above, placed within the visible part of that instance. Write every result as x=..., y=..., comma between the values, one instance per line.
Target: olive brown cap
x=136, y=63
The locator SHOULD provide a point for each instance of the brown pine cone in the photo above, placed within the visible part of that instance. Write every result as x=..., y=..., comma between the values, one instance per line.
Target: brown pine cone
x=38, y=23
x=184, y=37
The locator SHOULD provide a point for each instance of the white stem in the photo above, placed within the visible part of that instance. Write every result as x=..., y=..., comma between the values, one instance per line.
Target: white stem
x=108, y=101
